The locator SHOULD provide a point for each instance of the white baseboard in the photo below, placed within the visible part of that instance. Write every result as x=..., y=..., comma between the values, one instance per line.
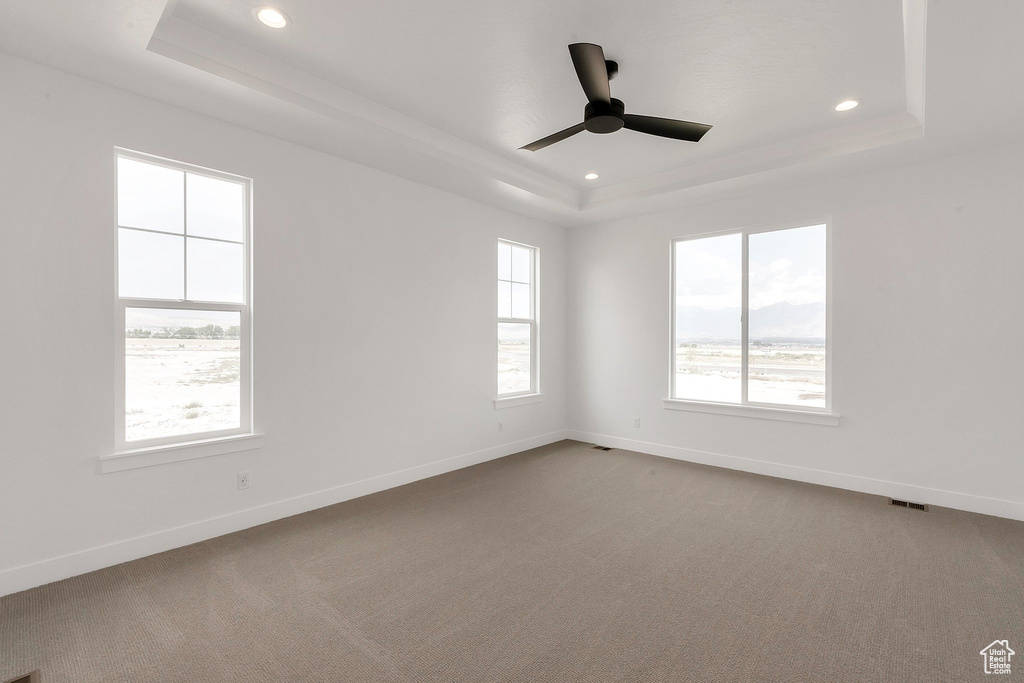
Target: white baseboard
x=919, y=494
x=57, y=568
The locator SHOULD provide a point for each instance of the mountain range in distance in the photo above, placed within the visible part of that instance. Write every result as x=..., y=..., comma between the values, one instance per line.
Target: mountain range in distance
x=781, y=321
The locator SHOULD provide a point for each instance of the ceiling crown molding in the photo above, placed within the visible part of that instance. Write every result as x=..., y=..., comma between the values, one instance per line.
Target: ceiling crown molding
x=512, y=182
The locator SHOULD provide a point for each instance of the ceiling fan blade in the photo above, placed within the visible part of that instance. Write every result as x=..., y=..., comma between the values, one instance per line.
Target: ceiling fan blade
x=552, y=139
x=666, y=128
x=591, y=70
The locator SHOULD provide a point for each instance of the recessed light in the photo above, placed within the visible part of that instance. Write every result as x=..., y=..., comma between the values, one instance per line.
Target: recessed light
x=272, y=17
x=591, y=176
x=846, y=105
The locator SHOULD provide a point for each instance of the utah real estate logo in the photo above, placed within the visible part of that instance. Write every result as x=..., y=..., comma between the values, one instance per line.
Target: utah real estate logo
x=997, y=657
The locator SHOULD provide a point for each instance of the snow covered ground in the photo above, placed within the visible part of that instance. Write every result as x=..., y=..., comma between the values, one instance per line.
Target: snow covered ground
x=791, y=375
x=513, y=367
x=181, y=386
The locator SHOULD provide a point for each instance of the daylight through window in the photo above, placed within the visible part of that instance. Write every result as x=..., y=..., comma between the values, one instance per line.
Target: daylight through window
x=517, y=319
x=750, y=318
x=183, y=302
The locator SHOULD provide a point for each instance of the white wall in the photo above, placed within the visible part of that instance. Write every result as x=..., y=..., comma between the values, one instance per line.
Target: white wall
x=351, y=265
x=928, y=333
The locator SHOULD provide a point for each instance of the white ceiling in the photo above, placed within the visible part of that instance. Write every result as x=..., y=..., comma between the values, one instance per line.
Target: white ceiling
x=445, y=93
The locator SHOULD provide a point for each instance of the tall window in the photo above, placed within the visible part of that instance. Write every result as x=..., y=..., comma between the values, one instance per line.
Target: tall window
x=183, y=302
x=749, y=318
x=517, y=319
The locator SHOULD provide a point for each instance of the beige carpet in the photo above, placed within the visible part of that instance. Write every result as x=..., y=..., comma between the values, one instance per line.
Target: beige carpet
x=562, y=563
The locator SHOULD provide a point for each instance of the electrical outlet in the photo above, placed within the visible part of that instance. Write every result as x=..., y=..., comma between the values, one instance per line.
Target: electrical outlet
x=501, y=426
x=243, y=480
x=636, y=423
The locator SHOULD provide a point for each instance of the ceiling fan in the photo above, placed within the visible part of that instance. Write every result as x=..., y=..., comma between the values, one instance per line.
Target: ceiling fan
x=604, y=113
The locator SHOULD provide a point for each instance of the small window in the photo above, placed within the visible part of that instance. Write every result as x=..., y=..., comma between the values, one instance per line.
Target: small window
x=750, y=318
x=183, y=303
x=517, y=319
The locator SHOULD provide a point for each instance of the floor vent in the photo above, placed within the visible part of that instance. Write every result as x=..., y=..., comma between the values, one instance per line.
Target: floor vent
x=602, y=448
x=27, y=678
x=905, y=504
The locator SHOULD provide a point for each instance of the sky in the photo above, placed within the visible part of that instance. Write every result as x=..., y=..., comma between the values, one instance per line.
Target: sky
x=785, y=265
x=158, y=318
x=172, y=227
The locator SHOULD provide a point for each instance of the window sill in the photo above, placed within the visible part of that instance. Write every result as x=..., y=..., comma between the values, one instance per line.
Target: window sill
x=806, y=416
x=159, y=455
x=517, y=401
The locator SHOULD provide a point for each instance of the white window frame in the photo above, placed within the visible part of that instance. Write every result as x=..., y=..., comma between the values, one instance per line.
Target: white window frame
x=777, y=411
x=177, y=447
x=520, y=397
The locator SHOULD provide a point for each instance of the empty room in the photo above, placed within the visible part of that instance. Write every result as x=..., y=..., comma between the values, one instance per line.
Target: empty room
x=511, y=342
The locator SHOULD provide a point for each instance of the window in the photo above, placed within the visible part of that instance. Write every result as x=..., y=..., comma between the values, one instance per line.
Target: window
x=517, y=319
x=750, y=318
x=183, y=303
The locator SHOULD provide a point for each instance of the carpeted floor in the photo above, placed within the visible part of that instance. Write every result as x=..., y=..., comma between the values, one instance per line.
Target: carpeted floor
x=562, y=564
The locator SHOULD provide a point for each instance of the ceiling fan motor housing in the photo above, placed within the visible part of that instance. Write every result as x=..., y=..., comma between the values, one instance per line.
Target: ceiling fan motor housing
x=604, y=117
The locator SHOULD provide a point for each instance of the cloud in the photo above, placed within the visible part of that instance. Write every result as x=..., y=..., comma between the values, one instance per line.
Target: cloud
x=775, y=282
x=710, y=281
x=709, y=271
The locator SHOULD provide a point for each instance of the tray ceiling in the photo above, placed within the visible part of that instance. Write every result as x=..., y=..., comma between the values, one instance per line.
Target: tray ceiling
x=444, y=94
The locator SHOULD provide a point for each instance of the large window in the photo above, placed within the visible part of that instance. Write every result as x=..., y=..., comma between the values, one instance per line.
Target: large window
x=183, y=303
x=517, y=319
x=750, y=318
